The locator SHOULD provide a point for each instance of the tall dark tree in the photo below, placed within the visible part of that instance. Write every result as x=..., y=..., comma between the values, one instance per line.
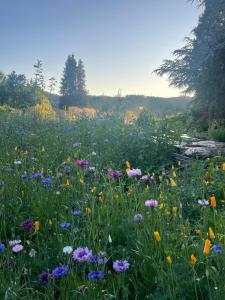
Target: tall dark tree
x=73, y=84
x=199, y=67
x=39, y=76
x=81, y=84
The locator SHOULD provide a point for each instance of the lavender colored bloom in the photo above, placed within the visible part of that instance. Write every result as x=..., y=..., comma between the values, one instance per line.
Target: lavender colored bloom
x=76, y=145
x=120, y=265
x=95, y=275
x=138, y=218
x=47, y=181
x=83, y=163
x=2, y=247
x=114, y=174
x=65, y=225
x=151, y=203
x=17, y=248
x=76, y=212
x=217, y=249
x=145, y=178
x=27, y=225
x=82, y=254
x=43, y=278
x=60, y=271
x=134, y=172
x=33, y=159
x=38, y=175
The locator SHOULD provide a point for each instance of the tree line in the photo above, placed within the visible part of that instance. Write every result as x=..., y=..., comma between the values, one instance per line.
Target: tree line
x=18, y=92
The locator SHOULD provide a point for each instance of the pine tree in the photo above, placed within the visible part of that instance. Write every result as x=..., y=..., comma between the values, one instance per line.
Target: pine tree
x=81, y=84
x=39, y=77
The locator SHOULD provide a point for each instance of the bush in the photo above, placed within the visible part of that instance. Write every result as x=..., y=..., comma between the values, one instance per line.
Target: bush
x=217, y=133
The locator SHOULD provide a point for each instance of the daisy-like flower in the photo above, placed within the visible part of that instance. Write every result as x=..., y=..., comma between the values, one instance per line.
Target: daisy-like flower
x=120, y=265
x=203, y=202
x=17, y=248
x=82, y=254
x=151, y=203
x=67, y=250
x=134, y=172
x=14, y=242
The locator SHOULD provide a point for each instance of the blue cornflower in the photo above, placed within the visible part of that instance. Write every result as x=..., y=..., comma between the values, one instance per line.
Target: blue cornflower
x=65, y=225
x=217, y=249
x=60, y=271
x=95, y=275
x=24, y=176
x=96, y=260
x=2, y=248
x=67, y=169
x=77, y=212
x=38, y=175
x=47, y=180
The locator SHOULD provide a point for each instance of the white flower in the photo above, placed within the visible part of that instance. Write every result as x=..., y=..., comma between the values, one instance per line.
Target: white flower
x=67, y=250
x=15, y=242
x=17, y=162
x=32, y=253
x=110, y=239
x=203, y=202
x=93, y=153
x=57, y=192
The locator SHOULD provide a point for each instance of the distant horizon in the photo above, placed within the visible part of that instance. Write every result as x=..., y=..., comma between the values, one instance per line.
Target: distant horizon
x=120, y=42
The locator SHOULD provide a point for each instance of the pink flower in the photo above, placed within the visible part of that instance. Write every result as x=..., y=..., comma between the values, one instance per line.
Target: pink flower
x=17, y=248
x=134, y=172
x=151, y=203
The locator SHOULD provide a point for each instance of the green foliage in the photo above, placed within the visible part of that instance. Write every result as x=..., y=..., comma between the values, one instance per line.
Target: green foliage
x=16, y=91
x=217, y=132
x=47, y=146
x=198, y=67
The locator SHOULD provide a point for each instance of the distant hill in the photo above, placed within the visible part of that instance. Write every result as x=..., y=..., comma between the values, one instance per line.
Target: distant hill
x=156, y=105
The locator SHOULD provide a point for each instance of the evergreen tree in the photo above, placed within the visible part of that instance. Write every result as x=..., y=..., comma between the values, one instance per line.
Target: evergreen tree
x=81, y=84
x=39, y=77
x=199, y=67
x=52, y=84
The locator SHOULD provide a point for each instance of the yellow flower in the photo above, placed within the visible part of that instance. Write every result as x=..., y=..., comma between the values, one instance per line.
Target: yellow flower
x=127, y=166
x=81, y=180
x=42, y=170
x=198, y=232
x=207, y=246
x=93, y=189
x=193, y=259
x=37, y=225
x=101, y=196
x=157, y=236
x=213, y=201
x=88, y=210
x=211, y=234
x=50, y=222
x=223, y=166
x=174, y=174
x=172, y=182
x=169, y=259
x=174, y=210
x=162, y=206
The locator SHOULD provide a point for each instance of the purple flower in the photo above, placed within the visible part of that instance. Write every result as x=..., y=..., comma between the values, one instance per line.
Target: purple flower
x=120, y=265
x=134, y=172
x=60, y=271
x=217, y=249
x=145, y=178
x=65, y=225
x=38, y=175
x=33, y=159
x=95, y=275
x=47, y=181
x=82, y=254
x=114, y=174
x=138, y=218
x=83, y=163
x=43, y=278
x=27, y=225
x=2, y=247
x=17, y=248
x=151, y=203
x=97, y=260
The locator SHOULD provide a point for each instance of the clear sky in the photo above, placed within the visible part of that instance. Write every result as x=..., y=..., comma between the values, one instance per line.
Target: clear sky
x=120, y=41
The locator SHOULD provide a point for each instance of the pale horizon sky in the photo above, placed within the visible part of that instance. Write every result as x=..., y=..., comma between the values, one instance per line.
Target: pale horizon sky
x=120, y=41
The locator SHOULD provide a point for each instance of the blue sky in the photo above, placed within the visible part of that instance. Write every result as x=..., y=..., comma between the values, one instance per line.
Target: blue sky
x=120, y=41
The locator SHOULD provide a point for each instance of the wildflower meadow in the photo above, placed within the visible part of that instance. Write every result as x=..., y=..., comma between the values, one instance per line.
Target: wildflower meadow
x=99, y=209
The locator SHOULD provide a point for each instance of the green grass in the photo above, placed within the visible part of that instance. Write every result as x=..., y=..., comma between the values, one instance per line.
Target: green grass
x=107, y=207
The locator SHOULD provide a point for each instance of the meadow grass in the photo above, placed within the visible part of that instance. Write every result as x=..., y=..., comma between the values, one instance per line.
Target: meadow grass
x=73, y=183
